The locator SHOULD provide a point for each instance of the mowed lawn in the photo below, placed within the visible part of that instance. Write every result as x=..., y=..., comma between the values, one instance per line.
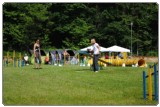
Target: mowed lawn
x=73, y=85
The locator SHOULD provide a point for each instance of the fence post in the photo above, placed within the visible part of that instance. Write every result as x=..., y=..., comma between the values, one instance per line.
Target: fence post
x=155, y=83
x=144, y=85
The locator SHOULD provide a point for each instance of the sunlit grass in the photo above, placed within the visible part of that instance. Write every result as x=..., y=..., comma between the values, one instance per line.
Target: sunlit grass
x=73, y=85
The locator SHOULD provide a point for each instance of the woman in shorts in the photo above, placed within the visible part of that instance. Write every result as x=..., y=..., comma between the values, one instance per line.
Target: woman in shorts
x=37, y=54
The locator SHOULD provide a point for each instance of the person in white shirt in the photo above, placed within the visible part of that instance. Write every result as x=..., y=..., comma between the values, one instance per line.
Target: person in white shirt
x=96, y=52
x=26, y=59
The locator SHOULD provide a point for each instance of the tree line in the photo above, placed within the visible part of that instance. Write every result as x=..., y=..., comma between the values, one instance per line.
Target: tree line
x=72, y=25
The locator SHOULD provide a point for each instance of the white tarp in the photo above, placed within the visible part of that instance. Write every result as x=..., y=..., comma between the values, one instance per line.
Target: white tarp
x=102, y=49
x=117, y=49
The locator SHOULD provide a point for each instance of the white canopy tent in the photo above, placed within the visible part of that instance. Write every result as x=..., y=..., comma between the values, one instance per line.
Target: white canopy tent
x=117, y=49
x=102, y=49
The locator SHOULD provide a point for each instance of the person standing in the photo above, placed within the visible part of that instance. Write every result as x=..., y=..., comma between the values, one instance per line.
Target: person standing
x=37, y=54
x=66, y=56
x=96, y=53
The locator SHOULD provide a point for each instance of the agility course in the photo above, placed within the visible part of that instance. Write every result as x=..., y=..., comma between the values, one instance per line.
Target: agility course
x=120, y=33
x=50, y=57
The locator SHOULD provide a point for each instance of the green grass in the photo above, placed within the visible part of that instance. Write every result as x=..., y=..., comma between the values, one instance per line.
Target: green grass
x=73, y=85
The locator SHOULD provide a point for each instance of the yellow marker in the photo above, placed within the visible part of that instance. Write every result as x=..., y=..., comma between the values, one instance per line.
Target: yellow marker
x=7, y=54
x=149, y=84
x=13, y=56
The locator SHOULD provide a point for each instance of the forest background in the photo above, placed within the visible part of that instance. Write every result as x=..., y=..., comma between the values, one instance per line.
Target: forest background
x=72, y=25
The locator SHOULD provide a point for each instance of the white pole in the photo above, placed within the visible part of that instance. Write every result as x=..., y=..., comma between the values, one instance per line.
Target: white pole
x=131, y=37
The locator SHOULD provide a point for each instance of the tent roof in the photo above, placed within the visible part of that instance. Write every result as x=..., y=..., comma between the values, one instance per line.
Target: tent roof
x=102, y=49
x=117, y=49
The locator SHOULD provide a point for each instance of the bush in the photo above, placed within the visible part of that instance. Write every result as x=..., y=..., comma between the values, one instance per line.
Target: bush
x=152, y=53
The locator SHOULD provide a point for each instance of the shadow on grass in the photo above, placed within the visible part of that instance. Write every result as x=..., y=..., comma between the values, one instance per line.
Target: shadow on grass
x=37, y=68
x=83, y=70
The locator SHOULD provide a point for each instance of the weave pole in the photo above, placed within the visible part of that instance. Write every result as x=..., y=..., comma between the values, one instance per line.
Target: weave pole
x=19, y=60
x=13, y=58
x=155, y=83
x=144, y=85
x=149, y=84
x=152, y=83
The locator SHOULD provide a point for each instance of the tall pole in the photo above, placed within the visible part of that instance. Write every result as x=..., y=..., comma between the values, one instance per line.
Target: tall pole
x=131, y=37
x=137, y=47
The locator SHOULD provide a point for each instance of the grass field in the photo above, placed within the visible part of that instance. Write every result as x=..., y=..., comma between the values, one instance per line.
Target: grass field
x=73, y=85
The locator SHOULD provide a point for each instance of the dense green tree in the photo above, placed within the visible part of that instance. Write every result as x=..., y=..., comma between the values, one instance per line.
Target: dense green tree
x=23, y=24
x=72, y=25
